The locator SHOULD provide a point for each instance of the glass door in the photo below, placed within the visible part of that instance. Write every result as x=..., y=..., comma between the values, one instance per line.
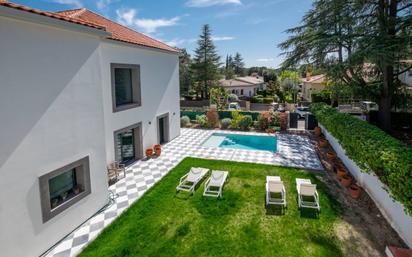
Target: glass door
x=125, y=146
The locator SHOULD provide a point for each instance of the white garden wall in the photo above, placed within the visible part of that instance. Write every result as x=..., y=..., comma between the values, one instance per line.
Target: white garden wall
x=391, y=209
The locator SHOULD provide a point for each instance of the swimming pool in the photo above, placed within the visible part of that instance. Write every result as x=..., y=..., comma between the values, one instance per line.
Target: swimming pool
x=237, y=141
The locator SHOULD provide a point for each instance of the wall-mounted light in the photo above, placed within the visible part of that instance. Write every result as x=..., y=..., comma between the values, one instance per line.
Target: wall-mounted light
x=150, y=122
x=174, y=113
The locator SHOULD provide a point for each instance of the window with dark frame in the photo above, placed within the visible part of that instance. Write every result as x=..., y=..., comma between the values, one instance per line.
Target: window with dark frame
x=63, y=187
x=126, y=89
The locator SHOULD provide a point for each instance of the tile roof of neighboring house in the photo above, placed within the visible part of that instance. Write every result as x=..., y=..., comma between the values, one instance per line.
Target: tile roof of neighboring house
x=87, y=18
x=250, y=79
x=241, y=82
x=50, y=14
x=314, y=79
x=119, y=32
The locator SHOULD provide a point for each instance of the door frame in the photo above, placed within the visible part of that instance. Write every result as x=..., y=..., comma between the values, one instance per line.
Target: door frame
x=138, y=140
x=166, y=128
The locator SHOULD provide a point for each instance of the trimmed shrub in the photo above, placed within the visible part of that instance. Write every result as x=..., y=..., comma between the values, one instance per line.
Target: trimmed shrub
x=184, y=121
x=225, y=123
x=245, y=122
x=257, y=99
x=372, y=150
x=212, y=118
x=202, y=121
x=267, y=100
x=236, y=117
x=263, y=121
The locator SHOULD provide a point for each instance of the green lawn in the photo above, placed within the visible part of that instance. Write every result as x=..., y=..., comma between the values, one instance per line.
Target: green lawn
x=163, y=223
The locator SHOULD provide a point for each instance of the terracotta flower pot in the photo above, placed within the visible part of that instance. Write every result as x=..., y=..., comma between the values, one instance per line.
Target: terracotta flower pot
x=158, y=151
x=317, y=131
x=340, y=171
x=346, y=180
x=157, y=146
x=354, y=191
x=149, y=152
x=323, y=143
x=331, y=155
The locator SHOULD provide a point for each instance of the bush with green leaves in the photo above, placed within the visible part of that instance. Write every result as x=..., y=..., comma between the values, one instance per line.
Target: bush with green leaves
x=184, y=121
x=225, y=123
x=372, y=150
x=245, y=122
x=202, y=121
x=236, y=117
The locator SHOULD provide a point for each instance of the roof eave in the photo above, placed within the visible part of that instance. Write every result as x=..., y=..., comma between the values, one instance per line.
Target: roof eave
x=40, y=19
x=121, y=42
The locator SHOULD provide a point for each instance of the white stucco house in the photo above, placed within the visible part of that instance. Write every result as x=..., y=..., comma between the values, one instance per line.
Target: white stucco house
x=243, y=86
x=78, y=91
x=312, y=85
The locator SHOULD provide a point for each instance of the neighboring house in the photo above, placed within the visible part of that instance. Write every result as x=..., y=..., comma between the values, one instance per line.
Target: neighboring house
x=312, y=85
x=78, y=91
x=243, y=86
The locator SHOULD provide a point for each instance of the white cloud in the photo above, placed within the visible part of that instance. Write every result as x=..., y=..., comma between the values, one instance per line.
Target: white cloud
x=129, y=18
x=180, y=41
x=75, y=3
x=223, y=38
x=265, y=60
x=102, y=4
x=207, y=3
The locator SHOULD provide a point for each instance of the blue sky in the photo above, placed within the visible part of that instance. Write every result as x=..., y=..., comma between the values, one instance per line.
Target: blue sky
x=251, y=27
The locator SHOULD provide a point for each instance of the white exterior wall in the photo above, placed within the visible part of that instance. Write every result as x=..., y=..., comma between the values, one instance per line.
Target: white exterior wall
x=159, y=76
x=56, y=108
x=392, y=210
x=51, y=113
x=246, y=90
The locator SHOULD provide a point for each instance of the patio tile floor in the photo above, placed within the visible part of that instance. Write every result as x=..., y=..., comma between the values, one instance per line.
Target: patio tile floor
x=293, y=151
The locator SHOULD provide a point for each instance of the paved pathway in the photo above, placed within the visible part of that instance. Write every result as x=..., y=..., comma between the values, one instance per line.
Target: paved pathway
x=293, y=151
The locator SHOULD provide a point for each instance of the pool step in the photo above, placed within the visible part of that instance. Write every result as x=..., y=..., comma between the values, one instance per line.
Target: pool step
x=229, y=141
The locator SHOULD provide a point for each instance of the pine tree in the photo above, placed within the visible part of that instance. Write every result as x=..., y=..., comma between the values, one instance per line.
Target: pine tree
x=238, y=64
x=185, y=72
x=206, y=62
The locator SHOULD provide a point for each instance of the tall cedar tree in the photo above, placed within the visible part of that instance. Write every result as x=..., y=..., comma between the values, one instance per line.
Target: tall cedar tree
x=185, y=72
x=206, y=62
x=360, y=45
x=238, y=64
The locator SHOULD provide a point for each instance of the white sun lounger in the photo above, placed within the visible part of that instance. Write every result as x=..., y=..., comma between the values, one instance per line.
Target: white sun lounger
x=189, y=181
x=274, y=185
x=308, y=190
x=214, y=185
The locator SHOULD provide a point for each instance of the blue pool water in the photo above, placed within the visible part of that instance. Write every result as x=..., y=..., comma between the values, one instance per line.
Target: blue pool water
x=248, y=142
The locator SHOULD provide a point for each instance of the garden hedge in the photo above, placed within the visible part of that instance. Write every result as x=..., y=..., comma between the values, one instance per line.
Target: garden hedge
x=222, y=114
x=372, y=150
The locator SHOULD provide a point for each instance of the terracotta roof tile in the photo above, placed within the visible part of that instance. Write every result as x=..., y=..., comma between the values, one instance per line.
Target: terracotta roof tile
x=90, y=19
x=119, y=32
x=50, y=14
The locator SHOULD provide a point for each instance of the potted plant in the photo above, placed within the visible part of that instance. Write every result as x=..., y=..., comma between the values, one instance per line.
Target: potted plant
x=317, y=131
x=354, y=191
x=346, y=180
x=340, y=171
x=157, y=149
x=149, y=152
x=323, y=143
x=331, y=155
